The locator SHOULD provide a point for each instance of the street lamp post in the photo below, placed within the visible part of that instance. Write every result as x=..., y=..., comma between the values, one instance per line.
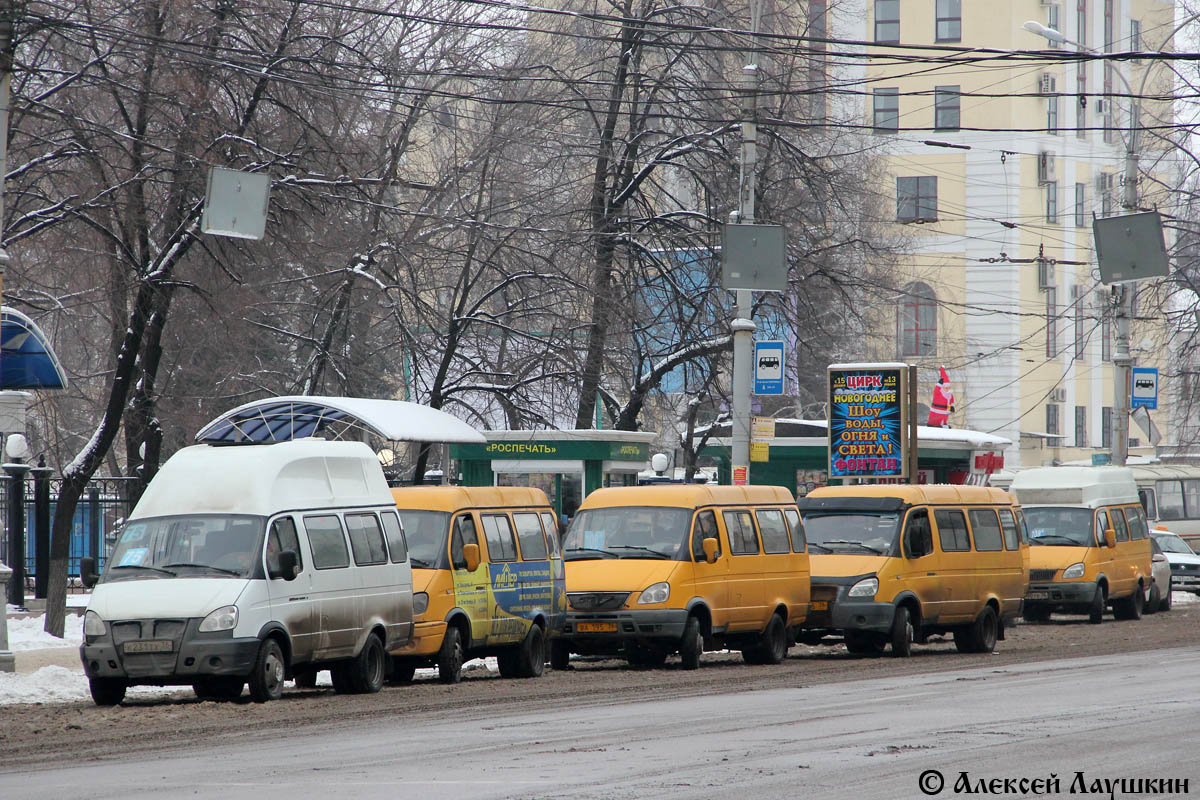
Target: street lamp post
x=1122, y=360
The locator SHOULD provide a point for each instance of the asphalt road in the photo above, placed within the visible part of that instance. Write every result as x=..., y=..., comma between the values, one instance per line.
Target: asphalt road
x=1109, y=717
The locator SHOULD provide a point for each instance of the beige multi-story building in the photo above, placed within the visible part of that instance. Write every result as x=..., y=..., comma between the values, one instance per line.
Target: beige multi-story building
x=998, y=160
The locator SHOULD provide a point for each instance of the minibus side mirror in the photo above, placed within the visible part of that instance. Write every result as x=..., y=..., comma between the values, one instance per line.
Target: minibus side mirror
x=471, y=556
x=1110, y=537
x=289, y=566
x=710, y=550
x=87, y=572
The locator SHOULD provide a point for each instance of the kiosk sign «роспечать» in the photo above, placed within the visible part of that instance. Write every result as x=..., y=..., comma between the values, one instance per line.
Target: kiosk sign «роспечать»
x=867, y=420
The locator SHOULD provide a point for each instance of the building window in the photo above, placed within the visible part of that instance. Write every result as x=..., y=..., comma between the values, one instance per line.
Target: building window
x=1079, y=313
x=916, y=199
x=1052, y=203
x=1052, y=21
x=886, y=110
x=1051, y=322
x=916, y=321
x=1104, y=188
x=1106, y=330
x=949, y=20
x=1052, y=114
x=1052, y=420
x=1081, y=24
x=1108, y=26
x=887, y=21
x=946, y=108
x=1080, y=208
x=1081, y=426
x=1135, y=38
x=1106, y=427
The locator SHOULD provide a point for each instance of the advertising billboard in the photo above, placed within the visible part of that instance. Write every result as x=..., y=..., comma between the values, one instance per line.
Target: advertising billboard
x=868, y=426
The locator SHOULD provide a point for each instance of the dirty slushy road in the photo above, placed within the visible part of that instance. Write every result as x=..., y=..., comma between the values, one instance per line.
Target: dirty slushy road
x=1113, y=701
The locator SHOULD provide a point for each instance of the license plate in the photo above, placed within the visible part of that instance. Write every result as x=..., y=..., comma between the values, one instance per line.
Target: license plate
x=150, y=646
x=596, y=627
x=1038, y=596
x=820, y=605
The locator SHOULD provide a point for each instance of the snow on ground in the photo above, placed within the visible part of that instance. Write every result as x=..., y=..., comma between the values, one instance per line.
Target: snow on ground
x=61, y=684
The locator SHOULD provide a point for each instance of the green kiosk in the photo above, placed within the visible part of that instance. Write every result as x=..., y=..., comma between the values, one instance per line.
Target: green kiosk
x=567, y=465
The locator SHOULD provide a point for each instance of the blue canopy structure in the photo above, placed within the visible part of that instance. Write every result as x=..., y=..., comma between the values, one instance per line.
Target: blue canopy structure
x=27, y=360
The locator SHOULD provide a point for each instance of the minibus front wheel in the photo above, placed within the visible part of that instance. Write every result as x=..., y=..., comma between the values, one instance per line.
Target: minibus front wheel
x=902, y=633
x=107, y=691
x=692, y=644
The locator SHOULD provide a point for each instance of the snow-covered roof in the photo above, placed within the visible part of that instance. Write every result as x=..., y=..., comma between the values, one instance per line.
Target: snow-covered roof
x=262, y=480
x=277, y=419
x=946, y=437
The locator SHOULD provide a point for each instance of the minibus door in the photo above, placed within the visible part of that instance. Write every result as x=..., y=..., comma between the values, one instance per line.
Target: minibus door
x=919, y=567
x=710, y=579
x=746, y=570
x=291, y=601
x=470, y=586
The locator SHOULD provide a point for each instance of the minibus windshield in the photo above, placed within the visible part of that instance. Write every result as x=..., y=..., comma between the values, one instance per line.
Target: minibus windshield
x=1049, y=525
x=425, y=532
x=860, y=533
x=628, y=532
x=208, y=545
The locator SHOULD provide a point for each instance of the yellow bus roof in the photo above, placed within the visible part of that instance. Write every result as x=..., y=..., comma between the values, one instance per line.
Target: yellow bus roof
x=453, y=498
x=685, y=495
x=933, y=493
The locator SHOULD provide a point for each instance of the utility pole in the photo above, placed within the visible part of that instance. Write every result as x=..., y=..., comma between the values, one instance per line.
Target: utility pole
x=743, y=325
x=1122, y=361
x=8, y=13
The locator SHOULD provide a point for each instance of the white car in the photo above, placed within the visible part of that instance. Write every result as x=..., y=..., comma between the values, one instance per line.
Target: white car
x=1185, y=564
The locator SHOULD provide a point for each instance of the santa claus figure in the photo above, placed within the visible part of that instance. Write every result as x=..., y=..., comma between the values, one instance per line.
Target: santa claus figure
x=943, y=402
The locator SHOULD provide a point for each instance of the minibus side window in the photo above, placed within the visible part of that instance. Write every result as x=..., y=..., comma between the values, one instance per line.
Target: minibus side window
x=498, y=533
x=1147, y=498
x=366, y=539
x=1118, y=519
x=796, y=526
x=282, y=537
x=918, y=539
x=1012, y=539
x=397, y=545
x=985, y=528
x=327, y=542
x=1191, y=498
x=529, y=533
x=952, y=530
x=464, y=533
x=552, y=534
x=774, y=531
x=1137, y=523
x=1170, y=500
x=705, y=528
x=742, y=539
x=1102, y=524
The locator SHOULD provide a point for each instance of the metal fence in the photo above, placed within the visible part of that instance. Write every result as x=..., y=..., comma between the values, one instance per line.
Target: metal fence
x=104, y=504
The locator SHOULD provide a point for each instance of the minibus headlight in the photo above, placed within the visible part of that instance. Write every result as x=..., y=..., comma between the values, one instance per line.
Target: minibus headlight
x=93, y=625
x=1074, y=571
x=224, y=618
x=420, y=603
x=867, y=587
x=657, y=593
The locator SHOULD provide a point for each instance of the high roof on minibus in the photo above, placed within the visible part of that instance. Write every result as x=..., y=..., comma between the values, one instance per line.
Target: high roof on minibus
x=454, y=498
x=926, y=494
x=686, y=496
x=1091, y=487
x=264, y=479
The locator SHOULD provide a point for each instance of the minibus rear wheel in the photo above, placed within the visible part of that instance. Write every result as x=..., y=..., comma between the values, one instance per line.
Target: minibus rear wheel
x=1130, y=607
x=531, y=653
x=368, y=668
x=980, y=635
x=771, y=648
